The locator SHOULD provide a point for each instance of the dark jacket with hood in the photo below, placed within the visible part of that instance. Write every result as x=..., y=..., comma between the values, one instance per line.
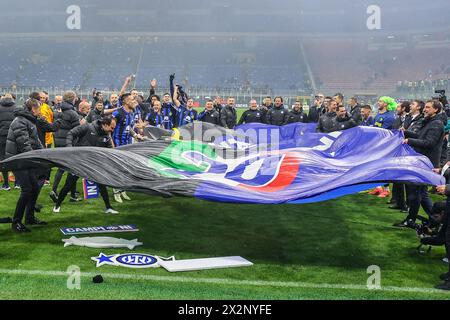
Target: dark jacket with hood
x=89, y=135
x=7, y=110
x=277, y=116
x=22, y=134
x=69, y=119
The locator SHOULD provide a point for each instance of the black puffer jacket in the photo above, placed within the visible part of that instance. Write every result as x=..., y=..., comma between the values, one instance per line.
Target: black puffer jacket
x=68, y=119
x=429, y=139
x=22, y=134
x=345, y=123
x=315, y=113
x=296, y=116
x=94, y=115
x=277, y=116
x=355, y=113
x=228, y=117
x=7, y=109
x=326, y=122
x=89, y=135
x=250, y=116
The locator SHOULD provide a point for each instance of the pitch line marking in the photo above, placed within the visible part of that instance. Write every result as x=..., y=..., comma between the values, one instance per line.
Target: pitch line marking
x=260, y=283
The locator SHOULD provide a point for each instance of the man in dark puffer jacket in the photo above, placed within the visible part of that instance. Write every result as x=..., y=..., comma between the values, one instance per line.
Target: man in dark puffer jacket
x=297, y=114
x=22, y=137
x=96, y=134
x=326, y=122
x=7, y=109
x=69, y=119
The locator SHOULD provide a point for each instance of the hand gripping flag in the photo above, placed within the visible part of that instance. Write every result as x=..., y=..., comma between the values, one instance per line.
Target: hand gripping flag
x=256, y=163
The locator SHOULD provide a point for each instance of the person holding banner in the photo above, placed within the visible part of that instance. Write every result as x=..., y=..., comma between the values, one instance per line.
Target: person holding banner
x=95, y=134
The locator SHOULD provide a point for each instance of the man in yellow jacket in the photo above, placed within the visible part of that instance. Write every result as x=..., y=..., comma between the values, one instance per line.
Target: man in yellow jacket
x=47, y=113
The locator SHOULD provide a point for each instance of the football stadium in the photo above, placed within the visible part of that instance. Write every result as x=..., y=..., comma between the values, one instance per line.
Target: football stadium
x=224, y=150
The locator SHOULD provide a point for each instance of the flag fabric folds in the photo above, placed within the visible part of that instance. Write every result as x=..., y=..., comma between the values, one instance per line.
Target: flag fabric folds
x=255, y=163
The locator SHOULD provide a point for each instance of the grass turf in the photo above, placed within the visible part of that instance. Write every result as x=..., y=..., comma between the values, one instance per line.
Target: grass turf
x=329, y=243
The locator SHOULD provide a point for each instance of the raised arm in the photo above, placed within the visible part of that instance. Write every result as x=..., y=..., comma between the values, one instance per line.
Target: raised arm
x=125, y=86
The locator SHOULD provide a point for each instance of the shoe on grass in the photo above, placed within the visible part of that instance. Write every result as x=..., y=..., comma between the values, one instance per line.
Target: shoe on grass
x=19, y=227
x=117, y=198
x=111, y=211
x=56, y=209
x=125, y=196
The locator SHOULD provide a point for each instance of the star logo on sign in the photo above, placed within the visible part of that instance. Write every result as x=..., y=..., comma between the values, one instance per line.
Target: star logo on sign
x=103, y=259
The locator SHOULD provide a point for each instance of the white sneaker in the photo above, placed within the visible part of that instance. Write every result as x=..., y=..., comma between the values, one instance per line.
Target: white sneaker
x=445, y=260
x=125, y=196
x=118, y=198
x=111, y=211
x=56, y=209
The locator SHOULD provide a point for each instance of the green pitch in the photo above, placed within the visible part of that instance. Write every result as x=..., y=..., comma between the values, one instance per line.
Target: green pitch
x=315, y=251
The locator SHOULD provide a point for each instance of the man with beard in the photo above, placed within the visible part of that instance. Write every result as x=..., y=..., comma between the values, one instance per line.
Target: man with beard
x=297, y=114
x=228, y=116
x=277, y=115
x=124, y=133
x=428, y=142
x=326, y=122
x=343, y=121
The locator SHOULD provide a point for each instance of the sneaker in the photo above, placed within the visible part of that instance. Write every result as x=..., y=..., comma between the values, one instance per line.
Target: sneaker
x=443, y=286
x=19, y=227
x=117, y=198
x=56, y=209
x=445, y=276
x=35, y=222
x=445, y=260
x=111, y=211
x=407, y=223
x=16, y=186
x=6, y=188
x=72, y=199
x=53, y=196
x=46, y=183
x=376, y=191
x=125, y=196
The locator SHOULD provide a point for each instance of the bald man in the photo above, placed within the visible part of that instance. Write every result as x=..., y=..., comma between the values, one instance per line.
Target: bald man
x=253, y=114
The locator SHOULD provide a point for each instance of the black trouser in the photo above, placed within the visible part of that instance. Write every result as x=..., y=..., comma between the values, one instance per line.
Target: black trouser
x=58, y=177
x=398, y=194
x=72, y=181
x=417, y=196
x=49, y=172
x=447, y=230
x=2, y=157
x=28, y=195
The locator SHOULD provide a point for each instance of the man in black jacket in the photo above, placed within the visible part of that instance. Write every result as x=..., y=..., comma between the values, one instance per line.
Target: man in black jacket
x=319, y=108
x=343, y=121
x=96, y=113
x=228, y=116
x=209, y=115
x=355, y=110
x=7, y=109
x=277, y=115
x=327, y=122
x=297, y=114
x=253, y=114
x=427, y=142
x=96, y=134
x=22, y=137
x=69, y=119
